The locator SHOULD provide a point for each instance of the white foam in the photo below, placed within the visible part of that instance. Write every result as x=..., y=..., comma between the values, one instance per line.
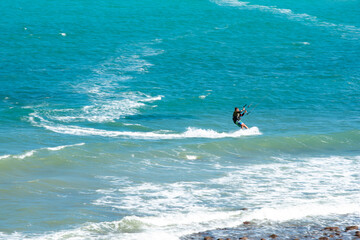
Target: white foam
x=105, y=89
x=281, y=191
x=173, y=209
x=209, y=133
x=297, y=189
x=64, y=146
x=274, y=192
x=205, y=95
x=37, y=120
x=12, y=236
x=288, y=13
x=4, y=156
x=20, y=156
x=191, y=157
x=135, y=64
x=147, y=51
x=132, y=124
x=189, y=133
x=133, y=228
x=25, y=155
x=32, y=152
x=285, y=213
x=152, y=99
x=269, y=189
x=110, y=111
x=105, y=110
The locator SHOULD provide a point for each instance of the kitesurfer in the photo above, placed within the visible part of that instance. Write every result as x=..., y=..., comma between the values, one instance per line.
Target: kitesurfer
x=237, y=117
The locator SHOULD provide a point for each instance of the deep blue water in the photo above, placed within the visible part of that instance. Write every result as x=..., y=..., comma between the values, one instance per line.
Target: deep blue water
x=116, y=116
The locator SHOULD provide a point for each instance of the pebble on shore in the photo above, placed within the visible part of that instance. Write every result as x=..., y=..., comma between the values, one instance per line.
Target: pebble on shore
x=328, y=233
x=349, y=228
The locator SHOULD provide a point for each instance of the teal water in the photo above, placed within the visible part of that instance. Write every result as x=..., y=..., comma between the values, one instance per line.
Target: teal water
x=116, y=116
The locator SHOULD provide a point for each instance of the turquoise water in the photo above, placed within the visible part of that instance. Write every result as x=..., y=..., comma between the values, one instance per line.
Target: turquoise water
x=116, y=116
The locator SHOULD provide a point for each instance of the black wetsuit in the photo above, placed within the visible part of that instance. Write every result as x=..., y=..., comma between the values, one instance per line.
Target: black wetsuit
x=237, y=116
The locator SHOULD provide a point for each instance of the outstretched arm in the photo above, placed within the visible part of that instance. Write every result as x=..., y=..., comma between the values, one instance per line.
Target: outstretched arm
x=243, y=111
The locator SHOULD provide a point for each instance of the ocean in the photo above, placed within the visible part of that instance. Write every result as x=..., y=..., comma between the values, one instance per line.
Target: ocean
x=116, y=116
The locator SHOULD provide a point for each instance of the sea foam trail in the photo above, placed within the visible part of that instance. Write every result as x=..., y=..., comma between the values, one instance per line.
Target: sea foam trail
x=189, y=133
x=105, y=110
x=106, y=88
x=289, y=14
x=38, y=121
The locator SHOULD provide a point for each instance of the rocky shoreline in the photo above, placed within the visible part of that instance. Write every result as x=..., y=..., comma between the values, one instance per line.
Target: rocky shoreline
x=252, y=231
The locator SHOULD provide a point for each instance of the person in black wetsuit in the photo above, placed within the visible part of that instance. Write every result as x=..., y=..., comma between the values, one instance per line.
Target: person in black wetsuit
x=237, y=117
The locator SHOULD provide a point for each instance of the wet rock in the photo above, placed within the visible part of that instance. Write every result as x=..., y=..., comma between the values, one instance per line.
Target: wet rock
x=349, y=228
x=222, y=229
x=331, y=228
x=246, y=232
x=244, y=209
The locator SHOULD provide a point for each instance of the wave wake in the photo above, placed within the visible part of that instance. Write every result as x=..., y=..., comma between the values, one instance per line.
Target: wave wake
x=189, y=133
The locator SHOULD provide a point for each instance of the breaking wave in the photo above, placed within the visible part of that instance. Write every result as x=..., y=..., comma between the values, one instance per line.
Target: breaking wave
x=32, y=152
